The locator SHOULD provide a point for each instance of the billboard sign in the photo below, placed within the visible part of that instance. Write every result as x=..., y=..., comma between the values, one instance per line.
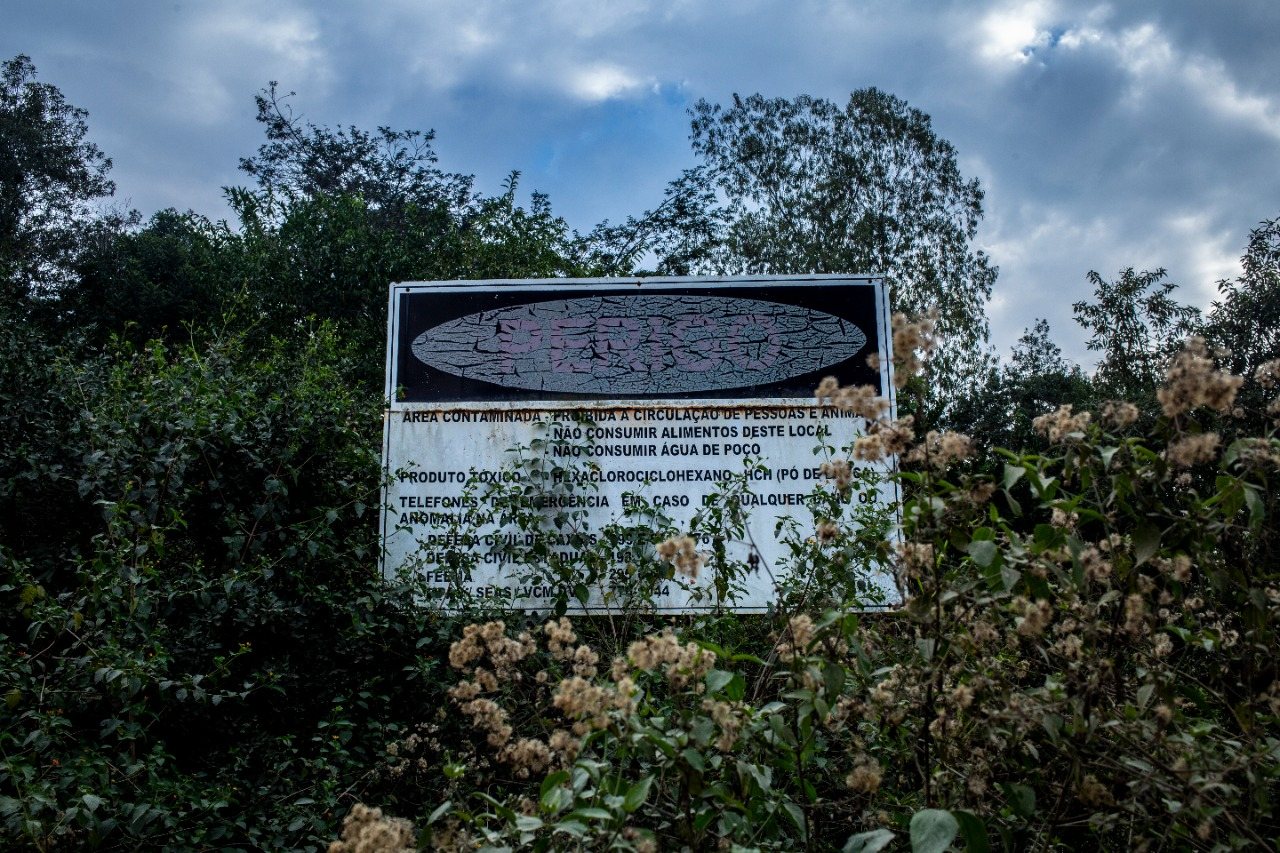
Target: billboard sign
x=592, y=397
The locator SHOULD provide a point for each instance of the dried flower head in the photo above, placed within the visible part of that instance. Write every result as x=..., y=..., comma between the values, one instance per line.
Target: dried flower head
x=490, y=639
x=797, y=639
x=1063, y=519
x=981, y=493
x=1193, y=380
x=1061, y=423
x=584, y=702
x=1258, y=453
x=560, y=638
x=912, y=340
x=915, y=559
x=1267, y=374
x=838, y=470
x=1118, y=414
x=827, y=389
x=682, y=552
x=894, y=436
x=584, y=662
x=1034, y=616
x=1135, y=614
x=565, y=745
x=728, y=718
x=1192, y=450
x=861, y=400
x=366, y=830
x=940, y=449
x=683, y=663
x=866, y=448
x=866, y=775
x=1091, y=792
x=1096, y=566
x=526, y=757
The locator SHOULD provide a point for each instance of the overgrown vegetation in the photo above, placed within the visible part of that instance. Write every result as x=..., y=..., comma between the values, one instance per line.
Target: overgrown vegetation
x=197, y=650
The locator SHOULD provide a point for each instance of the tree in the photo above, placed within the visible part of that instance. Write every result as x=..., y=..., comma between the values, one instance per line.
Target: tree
x=1246, y=319
x=805, y=186
x=155, y=281
x=338, y=214
x=1036, y=379
x=1137, y=326
x=388, y=168
x=1244, y=323
x=49, y=175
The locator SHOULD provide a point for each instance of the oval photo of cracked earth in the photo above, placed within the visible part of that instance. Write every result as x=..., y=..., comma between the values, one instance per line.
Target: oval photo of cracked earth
x=642, y=344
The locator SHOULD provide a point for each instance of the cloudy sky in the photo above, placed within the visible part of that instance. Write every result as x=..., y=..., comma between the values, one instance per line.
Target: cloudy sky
x=1105, y=135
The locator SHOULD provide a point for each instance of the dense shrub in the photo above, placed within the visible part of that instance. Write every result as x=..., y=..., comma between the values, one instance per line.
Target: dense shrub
x=194, y=639
x=1085, y=657
x=198, y=650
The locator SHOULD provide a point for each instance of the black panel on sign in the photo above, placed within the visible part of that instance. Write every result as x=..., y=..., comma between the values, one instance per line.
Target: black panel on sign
x=617, y=342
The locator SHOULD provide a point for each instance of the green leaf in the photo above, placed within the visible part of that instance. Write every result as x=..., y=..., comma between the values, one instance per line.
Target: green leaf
x=763, y=776
x=797, y=816
x=717, y=679
x=1257, y=510
x=867, y=842
x=1146, y=541
x=932, y=831
x=636, y=794
x=1009, y=577
x=973, y=831
x=440, y=811
x=1012, y=474
x=704, y=819
x=982, y=552
x=780, y=729
x=554, y=796
x=1021, y=798
x=833, y=677
x=528, y=823
x=91, y=801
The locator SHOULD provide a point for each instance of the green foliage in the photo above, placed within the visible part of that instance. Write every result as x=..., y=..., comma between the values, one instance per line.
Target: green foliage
x=49, y=174
x=389, y=169
x=1035, y=380
x=150, y=282
x=1245, y=320
x=336, y=216
x=806, y=186
x=1137, y=326
x=1089, y=666
x=189, y=596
